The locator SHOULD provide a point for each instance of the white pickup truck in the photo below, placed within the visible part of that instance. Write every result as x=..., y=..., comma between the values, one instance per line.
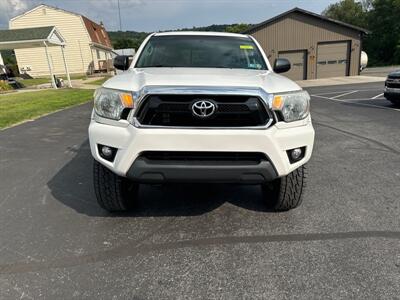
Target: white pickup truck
x=200, y=107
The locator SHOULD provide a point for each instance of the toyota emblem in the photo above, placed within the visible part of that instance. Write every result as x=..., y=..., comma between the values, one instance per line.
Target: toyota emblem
x=203, y=108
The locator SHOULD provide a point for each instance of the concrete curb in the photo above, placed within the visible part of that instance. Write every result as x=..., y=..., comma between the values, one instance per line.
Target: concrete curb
x=339, y=81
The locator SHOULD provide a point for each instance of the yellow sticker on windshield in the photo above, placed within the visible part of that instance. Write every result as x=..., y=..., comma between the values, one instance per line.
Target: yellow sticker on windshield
x=246, y=47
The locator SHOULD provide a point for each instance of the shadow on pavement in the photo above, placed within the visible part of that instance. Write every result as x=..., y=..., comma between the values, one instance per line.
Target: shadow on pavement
x=72, y=185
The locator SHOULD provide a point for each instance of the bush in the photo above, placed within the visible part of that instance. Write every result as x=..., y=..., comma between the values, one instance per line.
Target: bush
x=13, y=70
x=4, y=86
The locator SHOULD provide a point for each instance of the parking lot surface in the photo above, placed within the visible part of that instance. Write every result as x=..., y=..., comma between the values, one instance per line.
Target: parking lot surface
x=370, y=95
x=200, y=241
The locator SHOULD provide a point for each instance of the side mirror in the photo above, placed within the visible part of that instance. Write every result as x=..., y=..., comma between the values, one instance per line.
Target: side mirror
x=281, y=65
x=121, y=62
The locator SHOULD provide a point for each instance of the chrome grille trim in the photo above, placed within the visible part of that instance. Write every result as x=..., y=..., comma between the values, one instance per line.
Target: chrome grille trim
x=201, y=90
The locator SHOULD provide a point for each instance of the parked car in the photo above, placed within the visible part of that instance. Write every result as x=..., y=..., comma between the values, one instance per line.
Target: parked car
x=200, y=107
x=392, y=87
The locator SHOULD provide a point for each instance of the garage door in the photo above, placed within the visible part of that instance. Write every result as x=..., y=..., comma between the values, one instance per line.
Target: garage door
x=332, y=60
x=298, y=64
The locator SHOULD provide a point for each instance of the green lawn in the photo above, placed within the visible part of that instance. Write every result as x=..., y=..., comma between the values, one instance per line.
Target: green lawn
x=40, y=80
x=75, y=76
x=17, y=107
x=99, y=81
x=33, y=81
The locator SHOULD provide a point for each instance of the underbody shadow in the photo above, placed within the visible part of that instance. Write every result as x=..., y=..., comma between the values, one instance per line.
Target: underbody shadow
x=73, y=186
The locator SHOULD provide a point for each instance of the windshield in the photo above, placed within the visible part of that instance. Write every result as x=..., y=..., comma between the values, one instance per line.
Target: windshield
x=188, y=51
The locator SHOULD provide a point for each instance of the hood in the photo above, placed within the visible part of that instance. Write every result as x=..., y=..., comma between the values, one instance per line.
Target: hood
x=135, y=79
x=394, y=75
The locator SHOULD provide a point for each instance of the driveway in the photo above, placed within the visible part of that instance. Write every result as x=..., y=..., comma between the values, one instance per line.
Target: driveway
x=206, y=241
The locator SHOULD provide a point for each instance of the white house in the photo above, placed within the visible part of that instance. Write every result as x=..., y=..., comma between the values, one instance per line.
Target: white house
x=87, y=45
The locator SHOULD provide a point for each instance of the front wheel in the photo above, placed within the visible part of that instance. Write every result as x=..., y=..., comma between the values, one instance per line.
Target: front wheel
x=287, y=192
x=114, y=193
x=395, y=102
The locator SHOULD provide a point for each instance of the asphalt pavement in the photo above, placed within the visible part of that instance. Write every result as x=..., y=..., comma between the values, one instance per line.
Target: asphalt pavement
x=198, y=241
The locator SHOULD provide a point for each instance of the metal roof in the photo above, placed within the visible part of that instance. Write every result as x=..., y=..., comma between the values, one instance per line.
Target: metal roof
x=308, y=13
x=125, y=51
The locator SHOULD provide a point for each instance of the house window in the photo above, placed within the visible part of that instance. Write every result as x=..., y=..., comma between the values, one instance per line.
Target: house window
x=98, y=54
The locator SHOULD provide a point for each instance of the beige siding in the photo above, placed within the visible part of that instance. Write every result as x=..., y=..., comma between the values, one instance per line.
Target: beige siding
x=300, y=32
x=71, y=27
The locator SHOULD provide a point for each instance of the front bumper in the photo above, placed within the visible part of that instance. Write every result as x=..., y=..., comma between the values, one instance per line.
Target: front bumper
x=390, y=93
x=132, y=141
x=146, y=171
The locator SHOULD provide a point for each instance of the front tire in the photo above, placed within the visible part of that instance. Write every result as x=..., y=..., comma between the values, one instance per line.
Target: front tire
x=114, y=193
x=287, y=192
x=395, y=102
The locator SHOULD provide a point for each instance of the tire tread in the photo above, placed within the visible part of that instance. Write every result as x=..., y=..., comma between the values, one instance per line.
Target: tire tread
x=109, y=189
x=290, y=190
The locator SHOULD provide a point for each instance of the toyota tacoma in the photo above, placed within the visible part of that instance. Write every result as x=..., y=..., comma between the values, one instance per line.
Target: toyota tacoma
x=200, y=107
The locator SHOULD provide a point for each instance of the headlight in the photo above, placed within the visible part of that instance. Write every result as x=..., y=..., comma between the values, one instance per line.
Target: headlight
x=293, y=106
x=110, y=103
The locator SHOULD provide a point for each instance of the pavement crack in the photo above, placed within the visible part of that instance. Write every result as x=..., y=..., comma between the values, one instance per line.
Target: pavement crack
x=133, y=249
x=391, y=149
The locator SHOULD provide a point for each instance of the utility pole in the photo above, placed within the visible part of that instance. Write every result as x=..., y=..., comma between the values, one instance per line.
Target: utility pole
x=119, y=15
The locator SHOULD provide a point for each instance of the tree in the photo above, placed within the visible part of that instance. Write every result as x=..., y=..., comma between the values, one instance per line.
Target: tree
x=10, y=61
x=125, y=43
x=349, y=11
x=237, y=28
x=383, y=43
x=381, y=18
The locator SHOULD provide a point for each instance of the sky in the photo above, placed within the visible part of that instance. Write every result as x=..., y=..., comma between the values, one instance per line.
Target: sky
x=155, y=15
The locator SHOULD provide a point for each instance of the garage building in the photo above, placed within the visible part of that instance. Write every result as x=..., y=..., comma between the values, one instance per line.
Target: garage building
x=317, y=47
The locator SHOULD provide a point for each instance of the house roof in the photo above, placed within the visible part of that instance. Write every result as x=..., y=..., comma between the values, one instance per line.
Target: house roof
x=40, y=6
x=97, y=33
x=307, y=13
x=36, y=33
x=30, y=37
x=89, y=24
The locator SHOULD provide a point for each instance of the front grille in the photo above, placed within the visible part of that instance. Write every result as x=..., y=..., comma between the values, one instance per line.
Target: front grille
x=395, y=75
x=194, y=157
x=393, y=83
x=176, y=110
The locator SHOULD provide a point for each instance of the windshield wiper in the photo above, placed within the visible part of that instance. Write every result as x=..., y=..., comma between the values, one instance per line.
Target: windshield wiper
x=177, y=66
x=221, y=67
x=159, y=66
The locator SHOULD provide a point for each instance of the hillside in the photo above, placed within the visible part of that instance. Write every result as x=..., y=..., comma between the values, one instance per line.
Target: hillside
x=133, y=39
